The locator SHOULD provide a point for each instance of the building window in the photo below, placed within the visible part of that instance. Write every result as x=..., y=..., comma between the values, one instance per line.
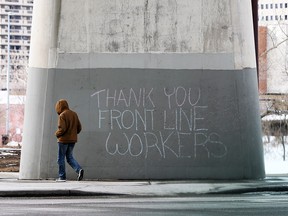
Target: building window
x=271, y=6
x=266, y=5
x=15, y=47
x=281, y=5
x=262, y=6
x=276, y=17
x=286, y=5
x=286, y=17
x=267, y=18
x=271, y=17
x=276, y=5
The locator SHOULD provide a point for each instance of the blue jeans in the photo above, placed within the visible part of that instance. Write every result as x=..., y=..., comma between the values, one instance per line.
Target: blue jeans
x=66, y=150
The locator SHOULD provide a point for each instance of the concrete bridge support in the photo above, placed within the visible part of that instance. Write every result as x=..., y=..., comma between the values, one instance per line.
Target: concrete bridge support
x=164, y=89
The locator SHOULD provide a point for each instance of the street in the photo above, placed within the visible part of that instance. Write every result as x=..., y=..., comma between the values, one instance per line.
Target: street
x=251, y=204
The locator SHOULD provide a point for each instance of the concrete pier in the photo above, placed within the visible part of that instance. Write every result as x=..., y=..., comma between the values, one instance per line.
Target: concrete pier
x=164, y=89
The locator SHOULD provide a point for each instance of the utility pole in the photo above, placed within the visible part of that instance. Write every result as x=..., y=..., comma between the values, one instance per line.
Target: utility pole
x=8, y=77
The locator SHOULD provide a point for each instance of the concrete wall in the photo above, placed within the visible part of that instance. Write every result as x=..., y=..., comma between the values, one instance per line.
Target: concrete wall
x=140, y=26
x=163, y=90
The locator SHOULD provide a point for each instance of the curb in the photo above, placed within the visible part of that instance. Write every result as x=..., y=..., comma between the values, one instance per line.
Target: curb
x=79, y=193
x=263, y=189
x=53, y=193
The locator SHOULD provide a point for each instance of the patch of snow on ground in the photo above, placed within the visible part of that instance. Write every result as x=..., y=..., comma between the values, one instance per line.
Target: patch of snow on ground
x=13, y=144
x=273, y=156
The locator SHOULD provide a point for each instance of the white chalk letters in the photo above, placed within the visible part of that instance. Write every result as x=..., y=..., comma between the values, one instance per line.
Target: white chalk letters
x=168, y=122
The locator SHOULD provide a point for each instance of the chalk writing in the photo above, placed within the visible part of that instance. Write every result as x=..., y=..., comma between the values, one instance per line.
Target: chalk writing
x=181, y=119
x=172, y=143
x=168, y=122
x=127, y=119
x=180, y=96
x=113, y=98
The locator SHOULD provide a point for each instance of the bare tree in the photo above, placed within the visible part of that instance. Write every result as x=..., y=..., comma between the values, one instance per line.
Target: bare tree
x=273, y=62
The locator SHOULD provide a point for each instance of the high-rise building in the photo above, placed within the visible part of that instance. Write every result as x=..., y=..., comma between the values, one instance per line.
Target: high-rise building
x=18, y=15
x=272, y=12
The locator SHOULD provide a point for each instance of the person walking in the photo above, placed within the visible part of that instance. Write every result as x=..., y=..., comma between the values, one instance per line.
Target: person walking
x=69, y=127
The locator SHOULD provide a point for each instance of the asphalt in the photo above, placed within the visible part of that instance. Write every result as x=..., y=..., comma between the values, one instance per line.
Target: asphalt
x=11, y=186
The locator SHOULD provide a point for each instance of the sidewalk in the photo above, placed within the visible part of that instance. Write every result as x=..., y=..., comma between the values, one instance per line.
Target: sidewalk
x=11, y=186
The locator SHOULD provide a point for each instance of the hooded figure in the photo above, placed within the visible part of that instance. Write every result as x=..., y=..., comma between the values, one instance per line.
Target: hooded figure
x=68, y=128
x=68, y=123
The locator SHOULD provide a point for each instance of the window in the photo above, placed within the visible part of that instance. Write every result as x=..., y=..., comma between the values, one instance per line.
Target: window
x=17, y=37
x=285, y=17
x=286, y=5
x=281, y=5
x=271, y=17
x=276, y=17
x=266, y=6
x=267, y=18
x=262, y=6
x=15, y=47
x=271, y=6
x=16, y=7
x=15, y=27
x=15, y=1
x=276, y=5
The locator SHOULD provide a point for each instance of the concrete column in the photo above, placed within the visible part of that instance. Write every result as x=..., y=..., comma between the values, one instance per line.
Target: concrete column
x=39, y=103
x=163, y=90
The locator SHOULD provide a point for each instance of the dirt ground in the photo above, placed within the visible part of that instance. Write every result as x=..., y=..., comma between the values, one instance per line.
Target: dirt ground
x=9, y=159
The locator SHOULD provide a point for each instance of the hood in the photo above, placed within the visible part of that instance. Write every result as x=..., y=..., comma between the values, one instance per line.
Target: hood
x=61, y=105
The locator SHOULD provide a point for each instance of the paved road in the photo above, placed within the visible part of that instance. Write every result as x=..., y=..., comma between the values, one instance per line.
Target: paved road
x=253, y=204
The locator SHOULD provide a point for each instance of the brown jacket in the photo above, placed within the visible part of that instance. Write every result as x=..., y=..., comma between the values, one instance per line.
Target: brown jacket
x=68, y=123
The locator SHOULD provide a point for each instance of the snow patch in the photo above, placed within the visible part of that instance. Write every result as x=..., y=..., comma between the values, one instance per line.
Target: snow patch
x=274, y=155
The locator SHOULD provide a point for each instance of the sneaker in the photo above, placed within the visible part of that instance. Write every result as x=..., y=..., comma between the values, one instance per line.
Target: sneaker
x=60, y=180
x=80, y=175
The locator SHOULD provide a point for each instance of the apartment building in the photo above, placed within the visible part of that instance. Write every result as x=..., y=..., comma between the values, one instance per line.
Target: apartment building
x=18, y=15
x=272, y=12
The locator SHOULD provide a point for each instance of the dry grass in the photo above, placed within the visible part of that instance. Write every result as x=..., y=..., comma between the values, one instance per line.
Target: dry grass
x=10, y=160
